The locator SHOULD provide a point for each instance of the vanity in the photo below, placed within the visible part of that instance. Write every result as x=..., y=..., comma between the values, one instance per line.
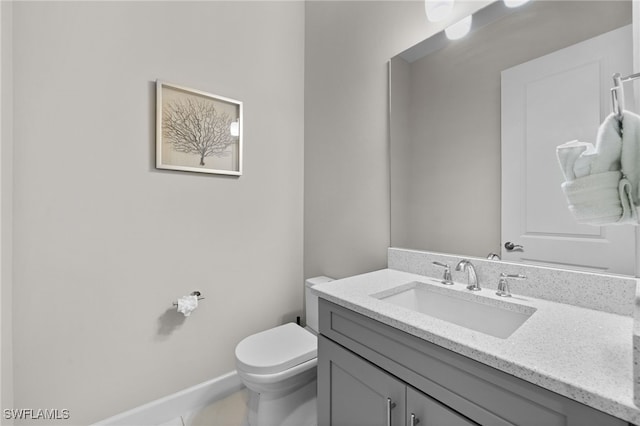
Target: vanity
x=398, y=346
x=386, y=358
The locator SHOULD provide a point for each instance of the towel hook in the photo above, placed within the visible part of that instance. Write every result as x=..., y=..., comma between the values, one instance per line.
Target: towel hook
x=617, y=93
x=617, y=96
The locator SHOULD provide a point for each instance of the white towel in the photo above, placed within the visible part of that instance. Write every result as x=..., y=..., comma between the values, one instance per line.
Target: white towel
x=608, y=147
x=573, y=162
x=595, y=199
x=630, y=155
x=629, y=211
x=603, y=182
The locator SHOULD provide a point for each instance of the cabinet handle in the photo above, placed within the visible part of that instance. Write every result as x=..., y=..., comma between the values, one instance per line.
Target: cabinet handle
x=390, y=406
x=413, y=420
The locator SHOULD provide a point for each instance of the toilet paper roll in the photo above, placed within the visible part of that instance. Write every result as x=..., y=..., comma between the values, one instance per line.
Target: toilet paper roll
x=187, y=304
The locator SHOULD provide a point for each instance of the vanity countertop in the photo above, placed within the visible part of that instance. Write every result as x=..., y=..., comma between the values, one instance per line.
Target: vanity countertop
x=583, y=354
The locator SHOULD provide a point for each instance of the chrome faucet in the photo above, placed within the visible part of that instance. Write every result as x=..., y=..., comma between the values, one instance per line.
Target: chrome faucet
x=466, y=265
x=503, y=284
x=446, y=278
x=493, y=256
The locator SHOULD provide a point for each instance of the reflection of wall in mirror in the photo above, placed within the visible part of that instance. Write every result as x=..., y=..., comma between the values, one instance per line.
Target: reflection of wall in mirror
x=445, y=162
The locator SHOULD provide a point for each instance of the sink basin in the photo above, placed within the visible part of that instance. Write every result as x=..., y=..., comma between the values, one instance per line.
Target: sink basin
x=494, y=317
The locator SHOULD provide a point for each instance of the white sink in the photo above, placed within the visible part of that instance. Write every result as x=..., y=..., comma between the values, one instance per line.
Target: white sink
x=494, y=317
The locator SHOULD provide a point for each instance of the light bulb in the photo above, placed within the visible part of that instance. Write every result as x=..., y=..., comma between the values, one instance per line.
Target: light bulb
x=459, y=29
x=438, y=10
x=234, y=129
x=514, y=3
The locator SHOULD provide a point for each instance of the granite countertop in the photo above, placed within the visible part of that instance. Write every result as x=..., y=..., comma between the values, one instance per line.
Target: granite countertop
x=583, y=354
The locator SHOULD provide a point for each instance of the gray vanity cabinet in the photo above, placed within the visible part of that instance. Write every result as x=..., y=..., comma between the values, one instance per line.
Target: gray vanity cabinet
x=426, y=411
x=360, y=394
x=372, y=374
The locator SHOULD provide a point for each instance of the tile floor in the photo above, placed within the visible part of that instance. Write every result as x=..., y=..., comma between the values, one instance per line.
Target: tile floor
x=231, y=411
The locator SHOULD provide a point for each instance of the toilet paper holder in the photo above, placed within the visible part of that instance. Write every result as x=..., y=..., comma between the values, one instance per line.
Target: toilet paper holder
x=193, y=293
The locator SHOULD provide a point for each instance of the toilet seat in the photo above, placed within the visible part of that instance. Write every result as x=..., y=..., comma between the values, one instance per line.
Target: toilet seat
x=276, y=350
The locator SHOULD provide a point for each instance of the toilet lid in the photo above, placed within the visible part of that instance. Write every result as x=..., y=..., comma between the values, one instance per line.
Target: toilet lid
x=276, y=349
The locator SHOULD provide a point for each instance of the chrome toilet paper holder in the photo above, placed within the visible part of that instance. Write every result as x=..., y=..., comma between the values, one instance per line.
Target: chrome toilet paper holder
x=193, y=293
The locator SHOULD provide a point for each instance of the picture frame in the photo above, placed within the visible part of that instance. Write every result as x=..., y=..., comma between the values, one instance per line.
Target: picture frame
x=197, y=131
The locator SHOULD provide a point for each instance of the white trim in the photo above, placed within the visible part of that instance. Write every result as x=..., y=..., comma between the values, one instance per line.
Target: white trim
x=178, y=404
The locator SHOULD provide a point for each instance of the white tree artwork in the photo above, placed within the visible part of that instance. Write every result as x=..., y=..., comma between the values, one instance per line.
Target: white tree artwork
x=198, y=131
x=194, y=126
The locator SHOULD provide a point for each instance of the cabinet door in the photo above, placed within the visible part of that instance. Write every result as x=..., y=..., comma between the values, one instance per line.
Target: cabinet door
x=352, y=392
x=427, y=411
x=477, y=391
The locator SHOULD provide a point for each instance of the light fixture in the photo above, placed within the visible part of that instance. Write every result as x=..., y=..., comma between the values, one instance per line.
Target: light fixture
x=514, y=3
x=438, y=10
x=459, y=29
x=234, y=129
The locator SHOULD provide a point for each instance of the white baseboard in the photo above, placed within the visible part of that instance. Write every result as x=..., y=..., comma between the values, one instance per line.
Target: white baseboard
x=178, y=404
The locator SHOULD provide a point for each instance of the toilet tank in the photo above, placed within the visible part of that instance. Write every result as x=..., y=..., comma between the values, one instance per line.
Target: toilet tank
x=311, y=301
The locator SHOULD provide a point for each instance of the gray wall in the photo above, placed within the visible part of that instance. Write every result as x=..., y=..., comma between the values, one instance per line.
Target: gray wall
x=103, y=242
x=348, y=45
x=6, y=208
x=448, y=172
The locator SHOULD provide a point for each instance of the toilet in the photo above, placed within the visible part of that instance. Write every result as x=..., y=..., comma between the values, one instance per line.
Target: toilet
x=278, y=367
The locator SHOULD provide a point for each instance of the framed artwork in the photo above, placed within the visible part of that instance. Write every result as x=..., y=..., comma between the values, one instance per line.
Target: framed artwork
x=197, y=131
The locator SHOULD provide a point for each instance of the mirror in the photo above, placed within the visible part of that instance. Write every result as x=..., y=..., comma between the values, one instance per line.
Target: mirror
x=445, y=120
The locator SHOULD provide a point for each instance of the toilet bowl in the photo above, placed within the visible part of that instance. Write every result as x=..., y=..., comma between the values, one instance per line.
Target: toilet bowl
x=278, y=367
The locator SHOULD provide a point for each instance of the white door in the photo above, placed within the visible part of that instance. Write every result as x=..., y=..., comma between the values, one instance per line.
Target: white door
x=545, y=102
